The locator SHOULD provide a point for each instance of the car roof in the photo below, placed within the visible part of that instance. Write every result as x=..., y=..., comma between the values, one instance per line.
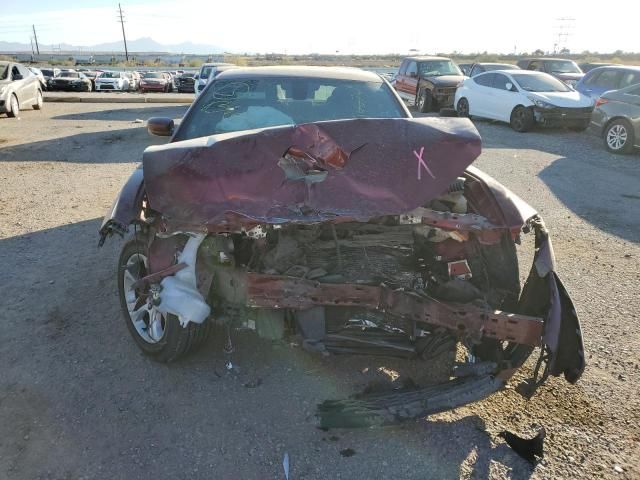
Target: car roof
x=420, y=58
x=635, y=68
x=337, y=73
x=214, y=64
x=528, y=59
x=494, y=63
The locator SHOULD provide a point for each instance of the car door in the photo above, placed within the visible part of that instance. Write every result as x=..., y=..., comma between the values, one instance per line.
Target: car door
x=411, y=81
x=31, y=83
x=399, y=83
x=480, y=98
x=504, y=97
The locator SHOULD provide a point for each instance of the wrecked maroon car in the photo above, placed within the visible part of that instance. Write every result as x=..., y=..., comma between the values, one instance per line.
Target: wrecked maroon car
x=307, y=201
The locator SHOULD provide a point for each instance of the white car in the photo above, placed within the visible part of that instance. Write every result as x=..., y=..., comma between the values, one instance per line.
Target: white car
x=112, y=81
x=208, y=71
x=523, y=99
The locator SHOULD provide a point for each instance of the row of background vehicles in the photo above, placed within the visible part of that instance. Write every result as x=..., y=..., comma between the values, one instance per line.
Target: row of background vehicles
x=85, y=80
x=534, y=92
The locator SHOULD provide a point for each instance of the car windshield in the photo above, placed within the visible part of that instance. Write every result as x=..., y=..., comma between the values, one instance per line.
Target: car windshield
x=562, y=66
x=110, y=75
x=4, y=69
x=69, y=74
x=47, y=73
x=539, y=82
x=152, y=75
x=244, y=104
x=188, y=75
x=436, y=68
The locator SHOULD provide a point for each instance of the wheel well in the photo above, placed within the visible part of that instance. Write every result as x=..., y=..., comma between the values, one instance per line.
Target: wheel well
x=610, y=121
x=519, y=105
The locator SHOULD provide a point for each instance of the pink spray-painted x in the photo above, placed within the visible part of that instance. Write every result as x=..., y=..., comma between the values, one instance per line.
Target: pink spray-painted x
x=421, y=163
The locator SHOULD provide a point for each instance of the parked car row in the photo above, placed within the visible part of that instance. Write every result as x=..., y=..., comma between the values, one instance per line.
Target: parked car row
x=87, y=80
x=535, y=92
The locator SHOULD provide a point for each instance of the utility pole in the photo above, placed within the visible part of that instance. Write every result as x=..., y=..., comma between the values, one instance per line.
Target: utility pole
x=126, y=52
x=36, y=38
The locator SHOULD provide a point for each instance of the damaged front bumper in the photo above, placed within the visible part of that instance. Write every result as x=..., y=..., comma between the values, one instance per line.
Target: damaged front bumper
x=562, y=117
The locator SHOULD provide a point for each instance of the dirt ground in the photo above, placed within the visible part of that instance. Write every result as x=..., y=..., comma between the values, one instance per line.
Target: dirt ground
x=79, y=401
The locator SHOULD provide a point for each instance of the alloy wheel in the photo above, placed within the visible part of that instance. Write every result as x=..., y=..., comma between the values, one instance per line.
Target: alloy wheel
x=148, y=321
x=617, y=137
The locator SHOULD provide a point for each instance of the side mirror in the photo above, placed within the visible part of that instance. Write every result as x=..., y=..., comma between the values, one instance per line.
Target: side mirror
x=160, y=126
x=510, y=87
x=196, y=76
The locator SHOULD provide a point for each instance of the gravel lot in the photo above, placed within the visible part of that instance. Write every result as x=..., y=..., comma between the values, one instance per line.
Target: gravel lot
x=78, y=400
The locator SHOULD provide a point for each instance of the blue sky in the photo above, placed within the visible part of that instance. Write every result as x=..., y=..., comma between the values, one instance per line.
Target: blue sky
x=328, y=26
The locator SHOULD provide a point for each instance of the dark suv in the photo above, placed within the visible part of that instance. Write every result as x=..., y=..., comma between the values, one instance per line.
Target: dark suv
x=561, y=68
x=429, y=83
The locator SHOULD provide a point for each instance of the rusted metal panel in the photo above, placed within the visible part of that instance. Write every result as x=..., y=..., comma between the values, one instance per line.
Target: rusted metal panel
x=274, y=291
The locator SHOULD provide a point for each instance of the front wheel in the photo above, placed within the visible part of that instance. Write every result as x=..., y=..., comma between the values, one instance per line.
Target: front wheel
x=522, y=119
x=618, y=137
x=463, y=108
x=39, y=102
x=14, y=107
x=425, y=101
x=158, y=335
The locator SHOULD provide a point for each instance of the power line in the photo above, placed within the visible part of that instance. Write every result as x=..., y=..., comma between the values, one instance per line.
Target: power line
x=35, y=36
x=126, y=52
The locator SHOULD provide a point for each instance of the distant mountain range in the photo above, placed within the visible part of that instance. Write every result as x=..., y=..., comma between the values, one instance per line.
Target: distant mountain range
x=145, y=44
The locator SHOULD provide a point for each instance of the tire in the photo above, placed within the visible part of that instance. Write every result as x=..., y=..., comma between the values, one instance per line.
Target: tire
x=166, y=340
x=522, y=119
x=619, y=137
x=500, y=269
x=463, y=108
x=39, y=101
x=14, y=111
x=425, y=101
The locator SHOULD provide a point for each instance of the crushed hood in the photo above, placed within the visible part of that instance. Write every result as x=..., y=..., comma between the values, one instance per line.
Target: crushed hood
x=346, y=169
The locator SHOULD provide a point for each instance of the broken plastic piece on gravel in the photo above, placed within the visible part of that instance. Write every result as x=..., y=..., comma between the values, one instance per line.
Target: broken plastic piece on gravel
x=285, y=465
x=527, y=448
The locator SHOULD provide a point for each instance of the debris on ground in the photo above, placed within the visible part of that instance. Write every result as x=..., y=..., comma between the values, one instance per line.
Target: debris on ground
x=528, y=449
x=285, y=465
x=348, y=452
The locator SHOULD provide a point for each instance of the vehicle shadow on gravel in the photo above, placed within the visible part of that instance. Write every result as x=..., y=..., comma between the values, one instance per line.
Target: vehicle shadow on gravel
x=583, y=175
x=78, y=396
x=107, y=146
x=582, y=190
x=128, y=114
